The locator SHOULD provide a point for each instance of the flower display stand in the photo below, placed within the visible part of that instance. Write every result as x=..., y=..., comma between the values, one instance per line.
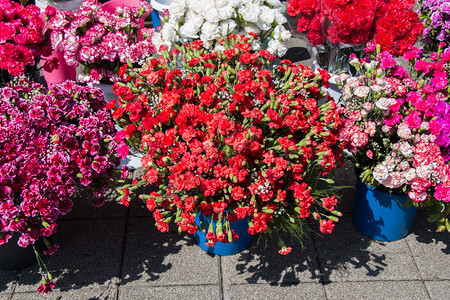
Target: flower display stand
x=133, y=160
x=223, y=249
x=380, y=215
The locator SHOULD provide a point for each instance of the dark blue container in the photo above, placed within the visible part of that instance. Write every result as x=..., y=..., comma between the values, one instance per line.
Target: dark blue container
x=380, y=215
x=239, y=226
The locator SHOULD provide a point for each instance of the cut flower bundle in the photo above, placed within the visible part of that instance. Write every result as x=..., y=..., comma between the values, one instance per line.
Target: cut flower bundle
x=52, y=142
x=213, y=20
x=225, y=137
x=398, y=128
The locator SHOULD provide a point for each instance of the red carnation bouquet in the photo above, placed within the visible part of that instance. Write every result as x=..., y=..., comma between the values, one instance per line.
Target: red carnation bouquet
x=22, y=41
x=337, y=28
x=230, y=139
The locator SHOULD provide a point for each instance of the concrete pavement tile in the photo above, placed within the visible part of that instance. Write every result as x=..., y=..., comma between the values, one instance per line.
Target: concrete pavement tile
x=376, y=290
x=101, y=293
x=267, y=291
x=5, y=296
x=204, y=292
x=258, y=264
x=438, y=290
x=348, y=255
x=154, y=258
x=430, y=249
x=7, y=280
x=90, y=254
x=82, y=208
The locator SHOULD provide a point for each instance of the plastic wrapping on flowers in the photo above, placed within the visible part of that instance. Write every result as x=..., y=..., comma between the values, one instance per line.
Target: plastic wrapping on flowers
x=212, y=20
x=398, y=128
x=229, y=138
x=336, y=29
x=52, y=142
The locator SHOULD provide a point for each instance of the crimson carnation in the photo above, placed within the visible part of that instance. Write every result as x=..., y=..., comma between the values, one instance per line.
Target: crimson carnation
x=229, y=138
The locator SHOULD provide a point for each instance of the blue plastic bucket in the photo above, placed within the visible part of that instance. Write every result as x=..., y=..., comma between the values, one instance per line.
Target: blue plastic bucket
x=380, y=215
x=239, y=226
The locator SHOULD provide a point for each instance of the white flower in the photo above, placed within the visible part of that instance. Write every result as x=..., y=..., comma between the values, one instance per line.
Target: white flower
x=362, y=91
x=252, y=28
x=266, y=18
x=380, y=173
x=409, y=174
x=277, y=48
x=403, y=131
x=226, y=12
x=405, y=149
x=227, y=27
x=177, y=9
x=250, y=12
x=279, y=18
x=385, y=103
x=210, y=31
x=191, y=27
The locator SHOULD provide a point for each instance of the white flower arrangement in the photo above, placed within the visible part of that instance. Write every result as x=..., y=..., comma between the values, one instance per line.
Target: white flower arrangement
x=213, y=20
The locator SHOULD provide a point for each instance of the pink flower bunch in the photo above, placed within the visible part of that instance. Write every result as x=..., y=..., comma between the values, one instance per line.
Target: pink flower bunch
x=22, y=39
x=52, y=141
x=101, y=41
x=230, y=139
x=398, y=127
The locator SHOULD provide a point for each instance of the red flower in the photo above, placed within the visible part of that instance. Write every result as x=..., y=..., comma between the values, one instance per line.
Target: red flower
x=326, y=226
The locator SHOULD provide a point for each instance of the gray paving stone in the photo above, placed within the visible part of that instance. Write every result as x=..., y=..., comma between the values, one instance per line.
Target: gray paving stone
x=305, y=291
x=101, y=293
x=438, y=290
x=204, y=292
x=348, y=255
x=430, y=249
x=7, y=281
x=90, y=254
x=376, y=290
x=258, y=264
x=5, y=296
x=154, y=258
x=82, y=208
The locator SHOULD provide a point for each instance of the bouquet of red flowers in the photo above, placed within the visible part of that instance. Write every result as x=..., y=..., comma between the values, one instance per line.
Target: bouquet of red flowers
x=22, y=40
x=335, y=27
x=230, y=139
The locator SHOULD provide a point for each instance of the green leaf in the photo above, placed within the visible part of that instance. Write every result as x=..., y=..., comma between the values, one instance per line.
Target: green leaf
x=327, y=180
x=435, y=217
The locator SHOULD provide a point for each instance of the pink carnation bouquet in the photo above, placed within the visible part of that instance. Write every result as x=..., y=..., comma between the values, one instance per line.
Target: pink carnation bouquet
x=398, y=128
x=101, y=41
